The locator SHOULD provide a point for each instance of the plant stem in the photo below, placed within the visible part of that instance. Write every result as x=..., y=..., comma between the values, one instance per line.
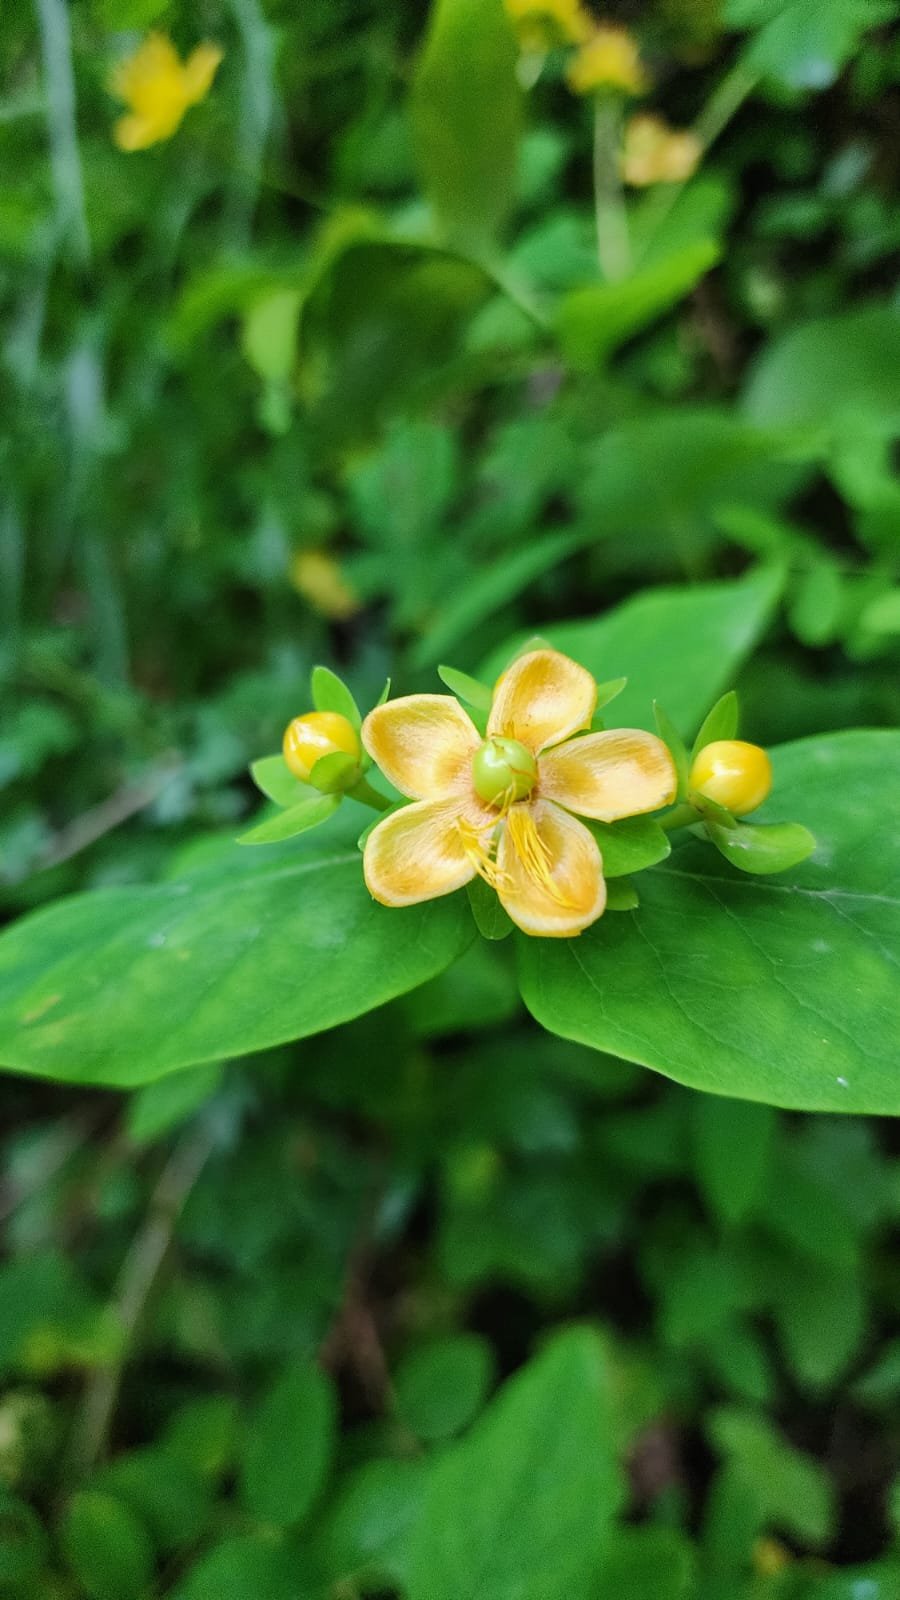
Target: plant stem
x=613, y=243
x=681, y=816
x=367, y=796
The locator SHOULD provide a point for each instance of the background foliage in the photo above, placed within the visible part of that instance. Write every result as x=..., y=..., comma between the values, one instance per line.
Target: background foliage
x=436, y=1304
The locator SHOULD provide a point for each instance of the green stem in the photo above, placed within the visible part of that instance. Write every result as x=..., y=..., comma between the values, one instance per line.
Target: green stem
x=681, y=816
x=367, y=796
x=613, y=242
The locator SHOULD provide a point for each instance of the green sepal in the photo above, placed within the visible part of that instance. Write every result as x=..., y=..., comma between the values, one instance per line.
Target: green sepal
x=763, y=847
x=719, y=723
x=711, y=811
x=670, y=736
x=491, y=920
x=466, y=689
x=330, y=693
x=384, y=693
x=630, y=845
x=621, y=895
x=296, y=819
x=335, y=773
x=535, y=642
x=274, y=778
x=608, y=691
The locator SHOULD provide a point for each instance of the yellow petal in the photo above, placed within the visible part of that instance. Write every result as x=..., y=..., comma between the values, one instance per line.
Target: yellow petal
x=418, y=853
x=132, y=132
x=620, y=773
x=550, y=872
x=542, y=699
x=154, y=62
x=199, y=71
x=424, y=743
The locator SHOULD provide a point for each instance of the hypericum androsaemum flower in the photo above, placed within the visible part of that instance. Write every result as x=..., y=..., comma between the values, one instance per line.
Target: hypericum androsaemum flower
x=317, y=577
x=502, y=807
x=542, y=24
x=159, y=88
x=314, y=735
x=608, y=59
x=733, y=773
x=655, y=153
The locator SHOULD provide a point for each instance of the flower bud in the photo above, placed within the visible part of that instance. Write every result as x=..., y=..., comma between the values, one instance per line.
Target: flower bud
x=314, y=735
x=503, y=771
x=733, y=773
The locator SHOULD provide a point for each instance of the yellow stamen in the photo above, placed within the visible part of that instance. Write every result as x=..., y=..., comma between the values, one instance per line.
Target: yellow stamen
x=481, y=852
x=533, y=853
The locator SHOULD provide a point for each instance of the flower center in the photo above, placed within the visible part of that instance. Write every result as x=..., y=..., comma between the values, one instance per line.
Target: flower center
x=503, y=771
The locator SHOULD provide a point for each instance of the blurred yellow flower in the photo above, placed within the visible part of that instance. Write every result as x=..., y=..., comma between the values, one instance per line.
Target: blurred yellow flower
x=655, y=153
x=159, y=88
x=541, y=24
x=317, y=577
x=770, y=1557
x=608, y=59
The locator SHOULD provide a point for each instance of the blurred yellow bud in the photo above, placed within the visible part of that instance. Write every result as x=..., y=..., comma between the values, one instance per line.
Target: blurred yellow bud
x=608, y=59
x=314, y=735
x=158, y=87
x=733, y=773
x=317, y=577
x=542, y=24
x=770, y=1557
x=655, y=153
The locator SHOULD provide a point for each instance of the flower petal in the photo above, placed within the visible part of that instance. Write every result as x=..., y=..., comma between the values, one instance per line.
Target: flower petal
x=199, y=70
x=417, y=853
x=424, y=743
x=620, y=773
x=562, y=891
x=542, y=699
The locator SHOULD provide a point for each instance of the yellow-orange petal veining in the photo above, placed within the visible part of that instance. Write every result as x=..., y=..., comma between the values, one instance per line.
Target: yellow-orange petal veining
x=424, y=743
x=543, y=698
x=622, y=772
x=550, y=871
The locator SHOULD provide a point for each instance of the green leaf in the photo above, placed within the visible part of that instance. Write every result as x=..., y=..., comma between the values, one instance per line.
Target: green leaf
x=732, y=1141
x=23, y=1543
x=297, y=819
x=594, y=321
x=106, y=1546
x=466, y=108
x=642, y=1562
x=621, y=895
x=365, y=1531
x=159, y=1107
x=334, y=774
x=717, y=970
x=290, y=1446
x=609, y=691
x=330, y=693
x=789, y=1488
x=803, y=44
x=670, y=736
x=121, y=985
x=689, y=641
x=441, y=1386
x=720, y=723
x=630, y=845
x=831, y=374
x=170, y=1498
x=467, y=689
x=762, y=847
x=491, y=920
x=274, y=778
x=239, y=1568
x=520, y=1509
x=269, y=334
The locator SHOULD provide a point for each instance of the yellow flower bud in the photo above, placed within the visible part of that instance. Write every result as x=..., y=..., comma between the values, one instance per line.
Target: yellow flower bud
x=316, y=734
x=542, y=24
x=733, y=773
x=317, y=577
x=655, y=153
x=503, y=771
x=608, y=60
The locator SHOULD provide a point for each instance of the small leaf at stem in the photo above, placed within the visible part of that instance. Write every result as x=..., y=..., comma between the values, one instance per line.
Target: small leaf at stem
x=330, y=693
x=677, y=749
x=296, y=819
x=720, y=723
x=274, y=779
x=491, y=920
x=763, y=847
x=469, y=690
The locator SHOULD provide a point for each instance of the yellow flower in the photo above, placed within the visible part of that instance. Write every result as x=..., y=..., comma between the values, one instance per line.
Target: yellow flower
x=501, y=807
x=733, y=773
x=317, y=577
x=656, y=153
x=608, y=59
x=541, y=24
x=159, y=88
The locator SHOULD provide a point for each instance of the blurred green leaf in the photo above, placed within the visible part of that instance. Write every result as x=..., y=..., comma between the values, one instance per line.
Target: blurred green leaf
x=289, y=1448
x=594, y=321
x=106, y=1546
x=440, y=1387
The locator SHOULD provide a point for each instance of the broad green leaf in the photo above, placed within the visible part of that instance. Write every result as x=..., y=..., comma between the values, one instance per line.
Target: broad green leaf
x=289, y=1447
x=330, y=693
x=251, y=1565
x=106, y=1546
x=790, y=1489
x=645, y=1564
x=621, y=895
x=296, y=819
x=441, y=1386
x=717, y=970
x=630, y=845
x=274, y=778
x=466, y=110
x=685, y=643
x=122, y=985
x=830, y=373
x=171, y=1499
x=720, y=723
x=803, y=44
x=519, y=1510
x=595, y=320
x=732, y=1143
x=761, y=848
x=364, y=1534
